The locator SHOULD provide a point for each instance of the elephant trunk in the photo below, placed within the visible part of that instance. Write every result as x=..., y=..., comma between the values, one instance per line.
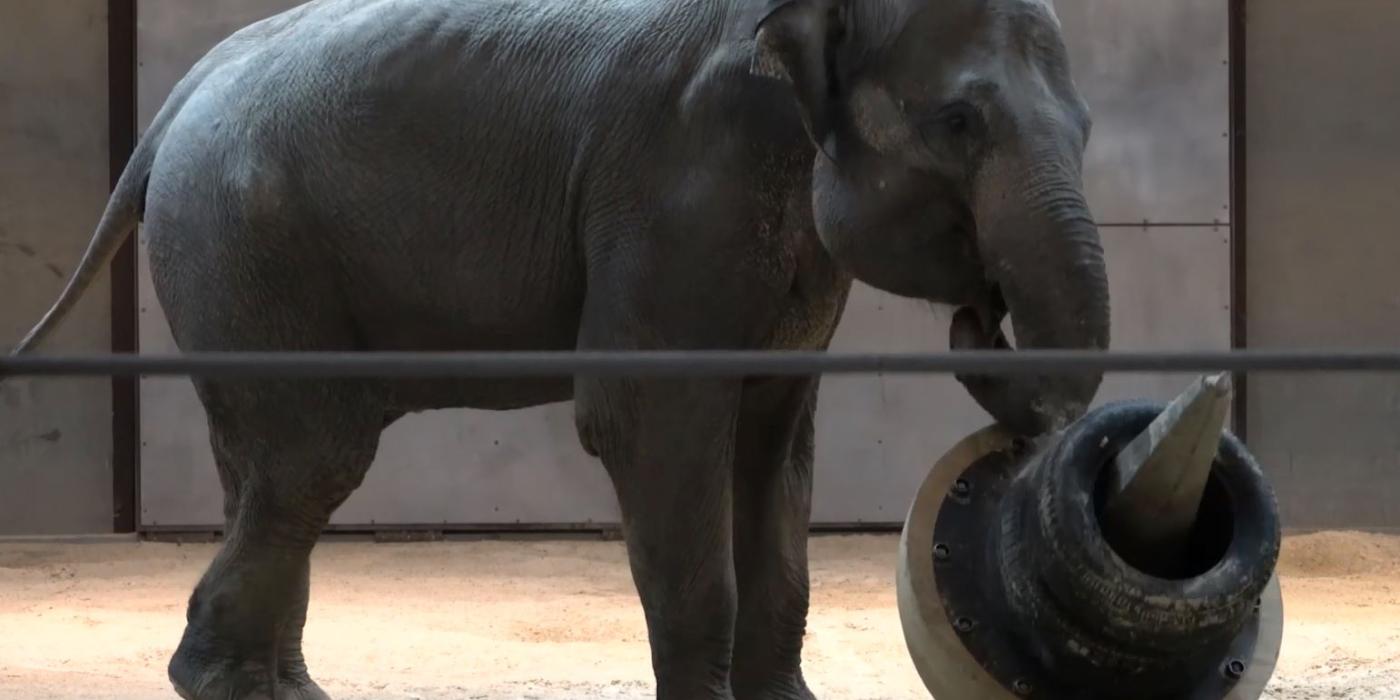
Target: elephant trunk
x=1041, y=248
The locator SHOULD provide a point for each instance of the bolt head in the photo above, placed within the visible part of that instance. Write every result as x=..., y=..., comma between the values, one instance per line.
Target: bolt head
x=942, y=552
x=1234, y=669
x=1022, y=687
x=962, y=487
x=963, y=624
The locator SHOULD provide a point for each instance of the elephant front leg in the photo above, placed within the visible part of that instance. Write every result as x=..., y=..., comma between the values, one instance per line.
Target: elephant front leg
x=772, y=511
x=667, y=446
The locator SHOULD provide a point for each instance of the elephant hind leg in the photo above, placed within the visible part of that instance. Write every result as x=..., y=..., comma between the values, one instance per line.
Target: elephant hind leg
x=289, y=453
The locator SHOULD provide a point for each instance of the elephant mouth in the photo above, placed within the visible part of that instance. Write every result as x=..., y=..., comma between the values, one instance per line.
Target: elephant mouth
x=978, y=326
x=1029, y=405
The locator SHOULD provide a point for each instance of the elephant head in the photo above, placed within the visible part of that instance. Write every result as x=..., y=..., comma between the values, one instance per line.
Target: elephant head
x=951, y=139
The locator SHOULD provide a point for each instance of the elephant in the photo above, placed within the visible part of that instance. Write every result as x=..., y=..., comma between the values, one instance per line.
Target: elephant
x=598, y=175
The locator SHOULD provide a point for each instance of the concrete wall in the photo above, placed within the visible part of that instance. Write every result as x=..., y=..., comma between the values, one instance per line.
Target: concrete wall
x=1324, y=104
x=1156, y=76
x=55, y=435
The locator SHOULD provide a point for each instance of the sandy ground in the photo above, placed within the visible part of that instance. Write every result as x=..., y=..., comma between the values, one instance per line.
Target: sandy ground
x=557, y=620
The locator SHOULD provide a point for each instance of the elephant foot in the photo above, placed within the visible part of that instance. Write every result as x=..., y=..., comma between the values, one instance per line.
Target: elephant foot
x=196, y=677
x=792, y=689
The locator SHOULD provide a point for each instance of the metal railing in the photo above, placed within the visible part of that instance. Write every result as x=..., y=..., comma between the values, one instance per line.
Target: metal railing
x=685, y=363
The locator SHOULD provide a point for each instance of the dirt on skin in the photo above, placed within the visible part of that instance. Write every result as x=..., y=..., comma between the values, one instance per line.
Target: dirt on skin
x=560, y=620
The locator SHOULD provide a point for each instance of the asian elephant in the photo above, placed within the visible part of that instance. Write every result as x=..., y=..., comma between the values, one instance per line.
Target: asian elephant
x=444, y=175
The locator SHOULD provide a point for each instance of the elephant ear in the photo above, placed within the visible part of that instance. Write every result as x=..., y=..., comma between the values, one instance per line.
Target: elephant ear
x=796, y=42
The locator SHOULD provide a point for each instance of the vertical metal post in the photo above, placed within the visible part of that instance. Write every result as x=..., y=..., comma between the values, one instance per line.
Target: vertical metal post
x=121, y=77
x=1239, y=214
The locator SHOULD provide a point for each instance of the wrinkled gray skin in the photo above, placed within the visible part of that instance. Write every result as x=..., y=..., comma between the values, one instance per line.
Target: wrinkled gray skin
x=598, y=174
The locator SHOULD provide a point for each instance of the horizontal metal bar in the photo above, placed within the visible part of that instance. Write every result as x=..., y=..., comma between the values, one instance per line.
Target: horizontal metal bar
x=457, y=532
x=690, y=363
x=1164, y=224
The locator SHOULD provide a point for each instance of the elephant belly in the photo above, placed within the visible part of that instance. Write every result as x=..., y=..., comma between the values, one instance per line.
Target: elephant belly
x=482, y=394
x=474, y=317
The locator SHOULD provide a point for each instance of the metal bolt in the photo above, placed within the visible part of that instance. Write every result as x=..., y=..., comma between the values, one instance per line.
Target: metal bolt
x=1022, y=687
x=941, y=552
x=1234, y=669
x=961, y=487
x=963, y=624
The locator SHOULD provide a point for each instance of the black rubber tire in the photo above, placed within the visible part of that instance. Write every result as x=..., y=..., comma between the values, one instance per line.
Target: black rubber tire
x=1091, y=607
x=1052, y=633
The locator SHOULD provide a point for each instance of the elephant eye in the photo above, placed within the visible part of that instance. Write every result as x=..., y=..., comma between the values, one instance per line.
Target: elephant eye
x=957, y=119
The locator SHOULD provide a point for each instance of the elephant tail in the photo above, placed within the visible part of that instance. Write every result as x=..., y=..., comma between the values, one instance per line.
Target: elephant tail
x=124, y=212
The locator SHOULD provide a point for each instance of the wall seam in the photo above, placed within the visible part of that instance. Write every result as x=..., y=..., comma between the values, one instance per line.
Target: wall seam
x=121, y=85
x=1239, y=308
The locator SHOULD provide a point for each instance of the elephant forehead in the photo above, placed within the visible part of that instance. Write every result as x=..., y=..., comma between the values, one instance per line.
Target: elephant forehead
x=986, y=22
x=1037, y=6
x=1047, y=5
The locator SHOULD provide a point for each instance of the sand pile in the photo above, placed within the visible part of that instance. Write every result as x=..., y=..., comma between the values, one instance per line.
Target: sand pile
x=1339, y=554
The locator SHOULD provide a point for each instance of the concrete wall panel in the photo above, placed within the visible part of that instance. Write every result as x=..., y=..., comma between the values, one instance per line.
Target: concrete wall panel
x=1156, y=76
x=1323, y=146
x=55, y=434
x=877, y=435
